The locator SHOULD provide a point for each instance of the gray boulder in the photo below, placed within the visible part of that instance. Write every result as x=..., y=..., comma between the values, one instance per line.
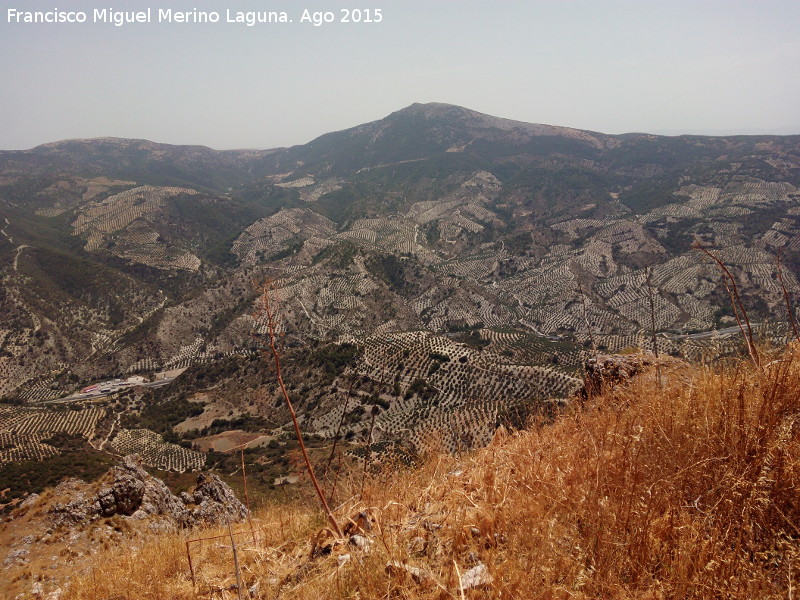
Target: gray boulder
x=215, y=502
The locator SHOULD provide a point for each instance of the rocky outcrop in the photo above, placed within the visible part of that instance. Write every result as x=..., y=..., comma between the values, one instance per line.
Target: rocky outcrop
x=128, y=490
x=214, y=502
x=606, y=371
x=135, y=493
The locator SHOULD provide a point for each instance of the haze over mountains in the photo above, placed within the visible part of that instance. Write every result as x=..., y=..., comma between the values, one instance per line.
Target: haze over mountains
x=465, y=257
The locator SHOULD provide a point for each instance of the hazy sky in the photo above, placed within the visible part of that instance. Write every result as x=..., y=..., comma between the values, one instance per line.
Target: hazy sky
x=663, y=67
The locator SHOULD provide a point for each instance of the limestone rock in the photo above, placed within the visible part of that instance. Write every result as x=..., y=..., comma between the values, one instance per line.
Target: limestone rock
x=133, y=492
x=17, y=557
x=29, y=501
x=216, y=502
x=37, y=589
x=77, y=507
x=342, y=559
x=362, y=543
x=402, y=571
x=607, y=371
x=477, y=576
x=130, y=491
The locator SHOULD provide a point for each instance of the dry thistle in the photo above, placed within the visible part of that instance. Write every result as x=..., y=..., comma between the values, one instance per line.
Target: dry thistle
x=267, y=309
x=736, y=303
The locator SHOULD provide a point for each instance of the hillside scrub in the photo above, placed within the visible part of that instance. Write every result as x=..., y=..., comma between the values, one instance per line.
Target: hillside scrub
x=683, y=490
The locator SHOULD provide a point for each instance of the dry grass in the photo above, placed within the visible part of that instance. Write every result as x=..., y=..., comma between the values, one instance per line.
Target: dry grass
x=690, y=491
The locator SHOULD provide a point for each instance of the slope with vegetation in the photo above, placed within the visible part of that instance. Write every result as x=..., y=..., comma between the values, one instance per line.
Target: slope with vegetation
x=462, y=266
x=680, y=483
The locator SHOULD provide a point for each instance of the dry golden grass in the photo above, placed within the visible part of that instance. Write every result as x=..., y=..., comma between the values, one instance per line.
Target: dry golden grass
x=690, y=491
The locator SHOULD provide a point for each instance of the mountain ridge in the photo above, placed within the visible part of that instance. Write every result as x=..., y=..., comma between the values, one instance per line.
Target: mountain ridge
x=427, y=109
x=439, y=269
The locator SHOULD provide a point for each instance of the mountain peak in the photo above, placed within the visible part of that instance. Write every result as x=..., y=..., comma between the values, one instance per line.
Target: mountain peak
x=442, y=110
x=475, y=121
x=431, y=109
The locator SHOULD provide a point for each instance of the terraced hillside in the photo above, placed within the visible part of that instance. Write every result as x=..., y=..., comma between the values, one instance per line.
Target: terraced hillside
x=23, y=430
x=473, y=261
x=423, y=387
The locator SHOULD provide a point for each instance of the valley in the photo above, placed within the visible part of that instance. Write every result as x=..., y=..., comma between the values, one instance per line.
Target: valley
x=438, y=273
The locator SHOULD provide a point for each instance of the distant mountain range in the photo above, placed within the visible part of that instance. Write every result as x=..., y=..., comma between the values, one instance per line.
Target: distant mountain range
x=433, y=235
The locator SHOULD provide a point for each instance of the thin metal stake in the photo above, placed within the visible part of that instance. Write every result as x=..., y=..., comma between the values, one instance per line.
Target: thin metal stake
x=247, y=499
x=235, y=561
x=191, y=567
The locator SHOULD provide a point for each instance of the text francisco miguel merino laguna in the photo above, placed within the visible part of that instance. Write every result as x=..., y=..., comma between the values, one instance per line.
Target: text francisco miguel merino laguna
x=162, y=15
